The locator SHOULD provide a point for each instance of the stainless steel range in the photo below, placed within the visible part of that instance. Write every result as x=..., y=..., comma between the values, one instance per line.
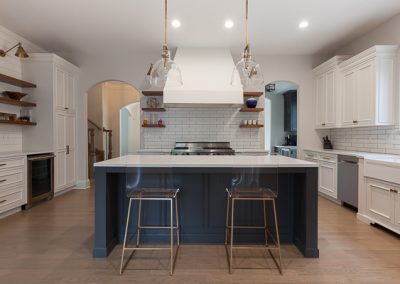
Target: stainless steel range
x=202, y=148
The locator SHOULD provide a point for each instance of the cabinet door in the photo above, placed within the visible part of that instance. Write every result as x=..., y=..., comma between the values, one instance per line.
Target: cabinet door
x=330, y=99
x=380, y=203
x=366, y=91
x=61, y=153
x=320, y=103
x=70, y=92
x=60, y=88
x=71, y=150
x=349, y=98
x=397, y=207
x=327, y=183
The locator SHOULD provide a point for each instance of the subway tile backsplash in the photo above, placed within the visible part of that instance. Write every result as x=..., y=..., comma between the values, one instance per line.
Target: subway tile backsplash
x=377, y=139
x=203, y=124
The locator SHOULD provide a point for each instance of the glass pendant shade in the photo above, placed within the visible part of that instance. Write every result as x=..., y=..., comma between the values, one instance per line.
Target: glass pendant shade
x=247, y=73
x=163, y=70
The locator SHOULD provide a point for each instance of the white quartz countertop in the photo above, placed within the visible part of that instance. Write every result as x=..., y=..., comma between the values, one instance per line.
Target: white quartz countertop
x=238, y=161
x=24, y=153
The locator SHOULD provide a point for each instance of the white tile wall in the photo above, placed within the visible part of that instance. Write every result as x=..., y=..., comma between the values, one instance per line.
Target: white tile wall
x=379, y=139
x=204, y=124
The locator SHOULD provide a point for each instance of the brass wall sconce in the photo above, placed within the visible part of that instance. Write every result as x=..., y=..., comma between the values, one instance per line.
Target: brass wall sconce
x=21, y=53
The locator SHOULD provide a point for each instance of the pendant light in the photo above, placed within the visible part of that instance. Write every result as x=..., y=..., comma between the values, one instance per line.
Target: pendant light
x=247, y=72
x=165, y=69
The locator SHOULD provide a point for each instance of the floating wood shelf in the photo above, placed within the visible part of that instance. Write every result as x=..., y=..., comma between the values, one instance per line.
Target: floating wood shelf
x=246, y=109
x=150, y=109
x=253, y=94
x=153, y=93
x=4, y=100
x=154, y=125
x=18, y=122
x=16, y=82
x=251, y=126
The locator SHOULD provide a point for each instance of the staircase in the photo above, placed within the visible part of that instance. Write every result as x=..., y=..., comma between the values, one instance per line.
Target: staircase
x=96, y=154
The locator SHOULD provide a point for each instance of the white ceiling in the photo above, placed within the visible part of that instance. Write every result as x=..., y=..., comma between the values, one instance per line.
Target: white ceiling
x=78, y=27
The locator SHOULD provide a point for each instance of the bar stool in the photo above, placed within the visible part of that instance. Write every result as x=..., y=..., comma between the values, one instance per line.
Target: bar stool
x=152, y=194
x=251, y=194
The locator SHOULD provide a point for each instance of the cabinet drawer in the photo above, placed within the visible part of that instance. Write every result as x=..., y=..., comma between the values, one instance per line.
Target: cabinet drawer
x=11, y=199
x=310, y=155
x=11, y=177
x=328, y=158
x=11, y=163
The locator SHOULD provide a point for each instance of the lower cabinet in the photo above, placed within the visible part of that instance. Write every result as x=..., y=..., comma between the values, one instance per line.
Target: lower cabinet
x=328, y=179
x=383, y=203
x=13, y=193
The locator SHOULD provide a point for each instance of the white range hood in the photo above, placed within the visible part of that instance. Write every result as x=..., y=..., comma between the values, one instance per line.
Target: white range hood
x=206, y=76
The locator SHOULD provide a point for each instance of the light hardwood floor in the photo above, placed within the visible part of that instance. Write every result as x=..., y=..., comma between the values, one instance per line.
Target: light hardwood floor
x=52, y=243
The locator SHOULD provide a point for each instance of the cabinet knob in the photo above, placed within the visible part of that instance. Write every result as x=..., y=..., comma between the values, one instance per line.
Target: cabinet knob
x=65, y=108
x=2, y=201
x=355, y=121
x=2, y=165
x=3, y=180
x=323, y=124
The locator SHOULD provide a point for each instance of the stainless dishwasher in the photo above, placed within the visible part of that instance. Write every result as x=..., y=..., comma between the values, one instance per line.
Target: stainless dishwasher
x=348, y=180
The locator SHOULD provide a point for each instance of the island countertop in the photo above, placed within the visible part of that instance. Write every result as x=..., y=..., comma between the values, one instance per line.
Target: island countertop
x=238, y=161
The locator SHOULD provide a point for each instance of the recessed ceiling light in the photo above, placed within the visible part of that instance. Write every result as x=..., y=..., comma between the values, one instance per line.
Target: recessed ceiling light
x=229, y=24
x=303, y=24
x=176, y=23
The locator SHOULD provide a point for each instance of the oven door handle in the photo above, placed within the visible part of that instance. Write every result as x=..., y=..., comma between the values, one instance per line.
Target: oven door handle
x=39, y=158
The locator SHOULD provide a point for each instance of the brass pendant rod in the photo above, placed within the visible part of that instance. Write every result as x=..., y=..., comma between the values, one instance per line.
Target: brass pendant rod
x=165, y=21
x=247, y=22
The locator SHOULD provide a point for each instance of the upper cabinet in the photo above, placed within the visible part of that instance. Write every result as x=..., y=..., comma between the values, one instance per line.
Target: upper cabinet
x=357, y=91
x=65, y=82
x=368, y=88
x=327, y=96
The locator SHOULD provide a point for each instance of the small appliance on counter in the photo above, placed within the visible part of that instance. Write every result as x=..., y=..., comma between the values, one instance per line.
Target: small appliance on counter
x=327, y=143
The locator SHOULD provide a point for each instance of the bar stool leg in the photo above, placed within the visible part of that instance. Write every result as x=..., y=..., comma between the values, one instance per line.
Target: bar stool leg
x=172, y=238
x=227, y=220
x=231, y=244
x=125, y=236
x=265, y=224
x=177, y=220
x=139, y=222
x=277, y=238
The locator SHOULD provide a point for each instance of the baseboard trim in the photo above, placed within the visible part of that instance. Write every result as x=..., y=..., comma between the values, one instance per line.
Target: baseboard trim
x=364, y=219
x=82, y=184
x=10, y=212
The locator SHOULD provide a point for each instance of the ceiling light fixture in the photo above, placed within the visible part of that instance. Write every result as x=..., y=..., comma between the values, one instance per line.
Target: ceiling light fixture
x=303, y=24
x=165, y=68
x=247, y=72
x=21, y=53
x=229, y=24
x=175, y=23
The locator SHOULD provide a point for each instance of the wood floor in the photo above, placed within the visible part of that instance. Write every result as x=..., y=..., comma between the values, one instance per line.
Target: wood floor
x=52, y=243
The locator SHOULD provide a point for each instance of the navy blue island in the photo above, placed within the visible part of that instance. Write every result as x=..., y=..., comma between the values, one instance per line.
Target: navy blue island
x=202, y=181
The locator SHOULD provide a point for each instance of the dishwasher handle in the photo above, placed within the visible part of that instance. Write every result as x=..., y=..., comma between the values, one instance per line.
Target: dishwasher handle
x=348, y=162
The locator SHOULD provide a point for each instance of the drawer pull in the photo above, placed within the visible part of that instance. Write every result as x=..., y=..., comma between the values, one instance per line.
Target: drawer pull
x=2, y=201
x=326, y=158
x=2, y=165
x=3, y=180
x=394, y=190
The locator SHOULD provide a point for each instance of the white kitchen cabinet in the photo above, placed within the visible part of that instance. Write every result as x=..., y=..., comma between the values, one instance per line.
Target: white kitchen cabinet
x=327, y=92
x=327, y=172
x=380, y=201
x=13, y=183
x=368, y=84
x=55, y=113
x=328, y=178
x=397, y=207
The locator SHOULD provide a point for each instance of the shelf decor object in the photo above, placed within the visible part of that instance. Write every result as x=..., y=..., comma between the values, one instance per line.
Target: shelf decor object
x=21, y=53
x=14, y=95
x=247, y=72
x=251, y=103
x=165, y=67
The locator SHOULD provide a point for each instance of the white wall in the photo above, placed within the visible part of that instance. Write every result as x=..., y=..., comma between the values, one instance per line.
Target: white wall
x=11, y=135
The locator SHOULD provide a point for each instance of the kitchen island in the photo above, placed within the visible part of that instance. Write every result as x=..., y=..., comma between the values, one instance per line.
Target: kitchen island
x=202, y=181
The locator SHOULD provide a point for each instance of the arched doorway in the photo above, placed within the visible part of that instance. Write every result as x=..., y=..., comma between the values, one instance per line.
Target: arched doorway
x=281, y=118
x=104, y=103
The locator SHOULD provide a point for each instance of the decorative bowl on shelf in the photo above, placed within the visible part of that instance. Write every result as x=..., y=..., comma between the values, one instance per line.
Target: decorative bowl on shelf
x=251, y=103
x=14, y=95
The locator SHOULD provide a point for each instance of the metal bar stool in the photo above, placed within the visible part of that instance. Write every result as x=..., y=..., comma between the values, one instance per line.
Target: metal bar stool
x=252, y=194
x=152, y=194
